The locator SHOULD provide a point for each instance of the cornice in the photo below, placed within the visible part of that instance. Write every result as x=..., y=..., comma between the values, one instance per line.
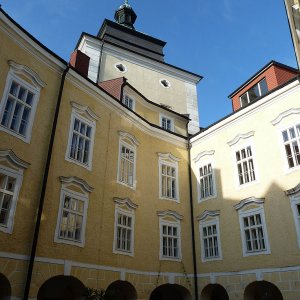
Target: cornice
x=82, y=183
x=208, y=213
x=292, y=111
x=85, y=109
x=241, y=136
x=26, y=71
x=169, y=156
x=125, y=201
x=13, y=158
x=247, y=201
x=129, y=136
x=293, y=191
x=202, y=154
x=171, y=213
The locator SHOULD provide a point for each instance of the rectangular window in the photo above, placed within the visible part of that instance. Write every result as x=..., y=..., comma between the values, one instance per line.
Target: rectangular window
x=80, y=148
x=71, y=221
x=170, y=241
x=128, y=102
x=168, y=181
x=256, y=91
x=245, y=165
x=291, y=140
x=210, y=241
x=126, y=168
x=124, y=233
x=206, y=181
x=166, y=123
x=254, y=233
x=7, y=192
x=18, y=108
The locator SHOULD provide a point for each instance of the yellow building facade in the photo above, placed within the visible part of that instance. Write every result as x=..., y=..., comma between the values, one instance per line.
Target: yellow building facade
x=103, y=185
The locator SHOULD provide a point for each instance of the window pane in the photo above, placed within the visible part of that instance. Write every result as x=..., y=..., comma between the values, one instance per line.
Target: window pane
x=263, y=87
x=244, y=100
x=253, y=93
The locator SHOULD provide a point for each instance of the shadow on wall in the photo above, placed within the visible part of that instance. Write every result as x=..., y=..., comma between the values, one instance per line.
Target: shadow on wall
x=170, y=291
x=5, y=289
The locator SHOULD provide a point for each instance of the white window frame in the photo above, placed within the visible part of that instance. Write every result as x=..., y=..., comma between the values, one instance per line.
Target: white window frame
x=242, y=141
x=169, y=160
x=201, y=160
x=82, y=196
x=123, y=65
x=163, y=221
x=36, y=84
x=295, y=200
x=210, y=218
x=86, y=115
x=244, y=212
x=161, y=116
x=131, y=98
x=127, y=208
x=13, y=167
x=129, y=141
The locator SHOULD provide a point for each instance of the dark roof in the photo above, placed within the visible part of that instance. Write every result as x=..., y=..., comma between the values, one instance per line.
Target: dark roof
x=267, y=66
x=32, y=37
x=202, y=129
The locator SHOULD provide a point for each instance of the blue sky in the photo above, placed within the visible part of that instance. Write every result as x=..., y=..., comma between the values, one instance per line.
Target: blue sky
x=226, y=41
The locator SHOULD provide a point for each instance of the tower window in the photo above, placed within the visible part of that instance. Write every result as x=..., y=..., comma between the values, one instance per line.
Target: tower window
x=121, y=67
x=165, y=83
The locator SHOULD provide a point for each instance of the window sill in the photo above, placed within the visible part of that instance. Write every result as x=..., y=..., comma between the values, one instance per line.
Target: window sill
x=265, y=252
x=88, y=167
x=248, y=184
x=291, y=170
x=212, y=259
x=13, y=133
x=68, y=242
x=131, y=254
x=171, y=259
x=170, y=199
x=207, y=198
x=133, y=187
x=5, y=229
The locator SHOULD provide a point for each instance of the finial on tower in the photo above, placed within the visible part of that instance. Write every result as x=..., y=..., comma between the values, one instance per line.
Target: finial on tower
x=125, y=15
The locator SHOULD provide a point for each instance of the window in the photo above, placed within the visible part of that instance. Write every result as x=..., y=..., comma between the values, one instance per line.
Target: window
x=210, y=235
x=121, y=67
x=253, y=228
x=258, y=90
x=81, y=136
x=127, y=159
x=129, y=102
x=19, y=101
x=206, y=181
x=72, y=214
x=168, y=176
x=291, y=141
x=245, y=166
x=11, y=175
x=165, y=83
x=166, y=123
x=124, y=226
x=170, y=242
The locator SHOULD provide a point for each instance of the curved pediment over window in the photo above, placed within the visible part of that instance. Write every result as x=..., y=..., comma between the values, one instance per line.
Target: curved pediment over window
x=293, y=191
x=281, y=116
x=203, y=154
x=126, y=201
x=76, y=181
x=248, y=201
x=12, y=158
x=168, y=156
x=240, y=136
x=208, y=213
x=85, y=110
x=127, y=136
x=170, y=213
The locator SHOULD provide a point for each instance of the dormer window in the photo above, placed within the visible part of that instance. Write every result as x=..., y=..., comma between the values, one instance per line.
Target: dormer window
x=121, y=67
x=128, y=101
x=258, y=90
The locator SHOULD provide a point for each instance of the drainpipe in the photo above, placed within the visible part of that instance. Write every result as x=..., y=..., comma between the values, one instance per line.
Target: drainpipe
x=192, y=221
x=100, y=61
x=44, y=185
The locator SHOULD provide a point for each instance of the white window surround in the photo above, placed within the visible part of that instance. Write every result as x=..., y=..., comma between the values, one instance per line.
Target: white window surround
x=240, y=142
x=122, y=65
x=15, y=72
x=294, y=196
x=86, y=189
x=124, y=207
x=284, y=121
x=162, y=117
x=124, y=100
x=11, y=165
x=205, y=158
x=243, y=212
x=165, y=219
x=169, y=160
x=128, y=141
x=85, y=115
x=207, y=219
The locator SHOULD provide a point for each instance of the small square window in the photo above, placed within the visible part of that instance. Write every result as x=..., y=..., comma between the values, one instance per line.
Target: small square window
x=166, y=123
x=129, y=102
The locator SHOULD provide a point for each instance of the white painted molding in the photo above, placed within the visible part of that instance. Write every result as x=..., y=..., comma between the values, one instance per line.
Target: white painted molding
x=202, y=154
x=250, y=200
x=171, y=213
x=292, y=111
x=208, y=213
x=240, y=136
x=126, y=201
x=13, y=158
x=293, y=191
x=169, y=156
x=85, y=109
x=82, y=183
x=67, y=267
x=21, y=69
x=129, y=136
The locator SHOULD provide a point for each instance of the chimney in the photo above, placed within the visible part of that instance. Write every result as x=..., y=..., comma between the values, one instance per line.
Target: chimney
x=80, y=62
